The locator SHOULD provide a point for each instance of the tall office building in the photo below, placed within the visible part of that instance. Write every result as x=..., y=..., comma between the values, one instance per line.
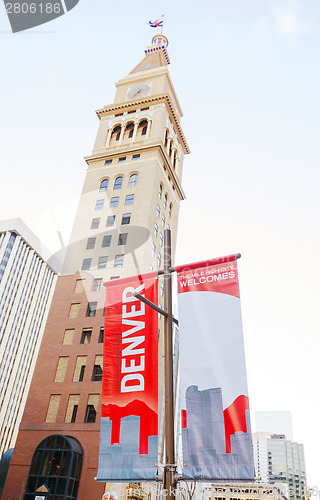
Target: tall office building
x=286, y=465
x=275, y=422
x=26, y=287
x=131, y=193
x=260, y=455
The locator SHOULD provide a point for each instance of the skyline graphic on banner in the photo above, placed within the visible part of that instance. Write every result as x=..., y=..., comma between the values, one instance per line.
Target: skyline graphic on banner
x=209, y=450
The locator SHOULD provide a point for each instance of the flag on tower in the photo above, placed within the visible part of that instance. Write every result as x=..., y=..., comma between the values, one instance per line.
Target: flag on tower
x=157, y=23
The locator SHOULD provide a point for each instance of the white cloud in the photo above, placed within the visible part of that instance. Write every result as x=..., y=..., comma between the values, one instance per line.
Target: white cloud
x=287, y=23
x=284, y=21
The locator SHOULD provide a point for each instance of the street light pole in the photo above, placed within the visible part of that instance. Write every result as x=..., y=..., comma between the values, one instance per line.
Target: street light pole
x=170, y=467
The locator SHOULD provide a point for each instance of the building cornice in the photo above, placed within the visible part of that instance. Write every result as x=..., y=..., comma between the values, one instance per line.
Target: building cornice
x=157, y=99
x=173, y=177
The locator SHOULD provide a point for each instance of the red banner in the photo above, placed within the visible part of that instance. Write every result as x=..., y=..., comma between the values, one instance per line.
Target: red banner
x=129, y=427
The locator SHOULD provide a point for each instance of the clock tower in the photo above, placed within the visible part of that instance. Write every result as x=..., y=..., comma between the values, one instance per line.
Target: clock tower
x=132, y=192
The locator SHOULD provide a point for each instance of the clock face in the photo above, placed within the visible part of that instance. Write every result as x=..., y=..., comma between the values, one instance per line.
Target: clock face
x=138, y=91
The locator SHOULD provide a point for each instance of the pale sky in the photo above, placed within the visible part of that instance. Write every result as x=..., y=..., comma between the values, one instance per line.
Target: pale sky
x=248, y=79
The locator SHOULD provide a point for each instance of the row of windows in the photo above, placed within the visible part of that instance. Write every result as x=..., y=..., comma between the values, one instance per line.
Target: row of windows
x=86, y=335
x=118, y=181
x=129, y=130
x=102, y=262
x=126, y=218
x=79, y=369
x=114, y=202
x=90, y=311
x=106, y=242
x=121, y=159
x=72, y=408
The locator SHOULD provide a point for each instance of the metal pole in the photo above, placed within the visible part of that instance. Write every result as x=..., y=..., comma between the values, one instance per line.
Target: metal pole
x=170, y=468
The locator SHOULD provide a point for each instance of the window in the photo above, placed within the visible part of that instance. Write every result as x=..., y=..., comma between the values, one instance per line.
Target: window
x=130, y=129
x=95, y=223
x=108, y=162
x=86, y=336
x=68, y=337
x=114, y=201
x=166, y=138
x=153, y=251
x=170, y=209
x=104, y=184
x=161, y=239
x=97, y=373
x=118, y=260
x=121, y=160
x=129, y=199
x=143, y=127
x=71, y=411
x=101, y=335
x=106, y=241
x=102, y=261
x=133, y=180
x=91, y=414
x=168, y=226
x=96, y=284
x=165, y=200
x=92, y=407
x=74, y=414
x=123, y=239
x=126, y=218
x=99, y=204
x=160, y=191
x=156, y=229
x=86, y=263
x=135, y=157
x=159, y=259
x=151, y=267
x=97, y=369
x=118, y=182
x=158, y=210
x=116, y=132
x=162, y=288
x=110, y=220
x=56, y=462
x=114, y=278
x=163, y=220
x=79, y=368
x=91, y=309
x=79, y=288
x=53, y=408
x=74, y=310
x=90, y=243
x=61, y=368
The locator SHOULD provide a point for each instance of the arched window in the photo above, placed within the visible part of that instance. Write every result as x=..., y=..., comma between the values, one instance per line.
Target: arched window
x=130, y=129
x=118, y=183
x=165, y=201
x=170, y=148
x=143, y=125
x=104, y=185
x=155, y=230
x=170, y=209
x=133, y=180
x=116, y=132
x=159, y=259
x=57, y=462
x=160, y=191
